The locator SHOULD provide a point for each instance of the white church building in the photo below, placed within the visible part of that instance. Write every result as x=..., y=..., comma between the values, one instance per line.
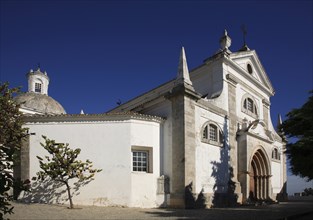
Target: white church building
x=205, y=136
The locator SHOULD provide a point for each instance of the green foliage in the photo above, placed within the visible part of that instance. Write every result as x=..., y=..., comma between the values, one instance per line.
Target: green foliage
x=63, y=165
x=11, y=134
x=308, y=192
x=299, y=125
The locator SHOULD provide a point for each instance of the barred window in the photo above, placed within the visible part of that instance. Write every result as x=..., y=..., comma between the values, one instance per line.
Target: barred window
x=140, y=161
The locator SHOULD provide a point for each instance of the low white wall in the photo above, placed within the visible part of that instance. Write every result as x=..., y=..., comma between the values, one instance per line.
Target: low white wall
x=108, y=145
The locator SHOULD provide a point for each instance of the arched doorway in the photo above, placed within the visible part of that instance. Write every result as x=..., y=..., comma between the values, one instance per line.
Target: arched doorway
x=259, y=176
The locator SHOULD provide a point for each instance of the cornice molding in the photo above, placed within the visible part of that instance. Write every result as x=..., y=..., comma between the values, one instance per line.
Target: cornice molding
x=91, y=117
x=232, y=79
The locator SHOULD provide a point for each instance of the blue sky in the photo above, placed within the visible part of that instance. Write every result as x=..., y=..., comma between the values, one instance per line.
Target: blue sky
x=97, y=52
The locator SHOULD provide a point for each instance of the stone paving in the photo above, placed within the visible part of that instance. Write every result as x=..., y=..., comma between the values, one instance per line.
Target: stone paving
x=302, y=210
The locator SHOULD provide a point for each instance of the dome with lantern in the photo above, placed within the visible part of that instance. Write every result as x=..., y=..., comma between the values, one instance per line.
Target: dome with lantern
x=37, y=100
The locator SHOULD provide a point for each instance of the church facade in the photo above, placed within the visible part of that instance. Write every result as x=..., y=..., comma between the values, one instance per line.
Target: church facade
x=204, y=137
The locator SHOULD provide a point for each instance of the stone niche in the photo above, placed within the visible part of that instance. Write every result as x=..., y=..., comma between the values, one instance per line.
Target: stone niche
x=163, y=185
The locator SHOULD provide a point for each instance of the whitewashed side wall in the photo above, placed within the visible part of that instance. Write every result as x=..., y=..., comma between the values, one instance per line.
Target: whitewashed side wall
x=207, y=155
x=278, y=170
x=276, y=180
x=108, y=145
x=144, y=185
x=164, y=109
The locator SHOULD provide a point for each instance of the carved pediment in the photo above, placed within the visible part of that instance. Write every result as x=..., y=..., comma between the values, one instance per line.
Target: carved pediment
x=251, y=67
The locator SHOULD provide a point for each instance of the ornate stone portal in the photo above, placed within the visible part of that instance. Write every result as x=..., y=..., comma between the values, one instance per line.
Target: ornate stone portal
x=259, y=177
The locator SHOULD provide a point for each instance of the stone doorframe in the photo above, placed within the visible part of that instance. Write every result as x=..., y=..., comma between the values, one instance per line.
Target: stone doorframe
x=260, y=171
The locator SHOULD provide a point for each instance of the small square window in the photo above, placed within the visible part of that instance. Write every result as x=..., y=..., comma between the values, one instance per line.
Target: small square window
x=142, y=159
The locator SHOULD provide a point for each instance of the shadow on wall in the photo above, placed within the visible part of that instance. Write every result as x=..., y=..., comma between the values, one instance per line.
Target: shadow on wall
x=282, y=196
x=191, y=202
x=49, y=191
x=224, y=187
x=46, y=191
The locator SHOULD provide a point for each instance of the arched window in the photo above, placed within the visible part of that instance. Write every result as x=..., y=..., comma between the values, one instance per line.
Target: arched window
x=212, y=134
x=275, y=154
x=249, y=106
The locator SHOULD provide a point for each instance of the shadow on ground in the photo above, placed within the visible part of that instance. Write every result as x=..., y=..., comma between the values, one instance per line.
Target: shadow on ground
x=283, y=211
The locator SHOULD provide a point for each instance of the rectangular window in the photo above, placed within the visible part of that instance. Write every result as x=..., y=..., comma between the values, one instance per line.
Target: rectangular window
x=38, y=87
x=142, y=159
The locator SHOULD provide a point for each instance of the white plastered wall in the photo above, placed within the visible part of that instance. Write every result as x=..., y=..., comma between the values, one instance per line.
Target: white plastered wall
x=277, y=170
x=164, y=109
x=108, y=145
x=206, y=154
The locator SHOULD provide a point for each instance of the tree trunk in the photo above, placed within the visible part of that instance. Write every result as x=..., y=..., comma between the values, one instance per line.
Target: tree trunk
x=69, y=195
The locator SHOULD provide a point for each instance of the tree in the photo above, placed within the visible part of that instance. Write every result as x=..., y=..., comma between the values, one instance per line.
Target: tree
x=11, y=135
x=299, y=125
x=307, y=192
x=64, y=166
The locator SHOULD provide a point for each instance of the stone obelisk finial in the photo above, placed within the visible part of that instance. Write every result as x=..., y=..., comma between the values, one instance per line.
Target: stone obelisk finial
x=183, y=72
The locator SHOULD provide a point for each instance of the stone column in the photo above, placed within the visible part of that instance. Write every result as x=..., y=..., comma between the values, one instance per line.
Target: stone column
x=267, y=188
x=178, y=153
x=233, y=151
x=255, y=187
x=261, y=187
x=25, y=159
x=183, y=144
x=258, y=188
x=264, y=187
x=21, y=167
x=190, y=143
x=270, y=190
